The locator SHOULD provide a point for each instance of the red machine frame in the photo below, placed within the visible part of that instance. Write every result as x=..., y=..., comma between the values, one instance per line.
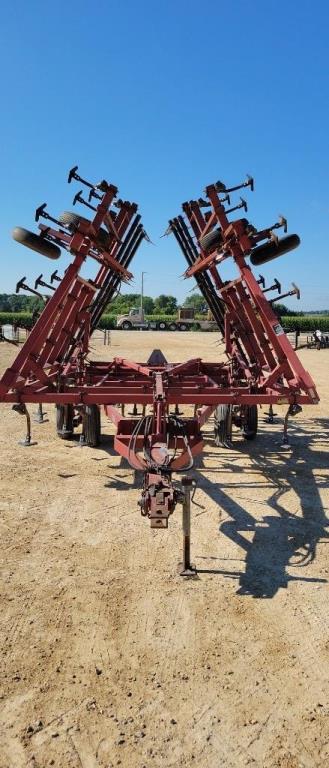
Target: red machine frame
x=261, y=366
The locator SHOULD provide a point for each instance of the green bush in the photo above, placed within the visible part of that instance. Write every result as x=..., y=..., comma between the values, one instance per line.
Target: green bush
x=22, y=319
x=107, y=322
x=305, y=323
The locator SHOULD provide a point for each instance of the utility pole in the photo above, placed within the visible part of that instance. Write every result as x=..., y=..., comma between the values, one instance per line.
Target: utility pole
x=142, y=291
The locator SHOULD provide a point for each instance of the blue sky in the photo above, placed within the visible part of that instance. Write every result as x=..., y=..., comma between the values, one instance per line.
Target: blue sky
x=162, y=98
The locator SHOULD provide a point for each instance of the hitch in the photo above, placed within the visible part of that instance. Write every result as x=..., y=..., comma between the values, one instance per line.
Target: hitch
x=158, y=499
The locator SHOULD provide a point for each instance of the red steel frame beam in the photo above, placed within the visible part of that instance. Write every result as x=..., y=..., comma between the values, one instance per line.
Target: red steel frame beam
x=52, y=365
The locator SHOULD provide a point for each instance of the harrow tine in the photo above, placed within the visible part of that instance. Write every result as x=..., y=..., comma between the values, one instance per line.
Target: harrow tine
x=79, y=199
x=40, y=281
x=94, y=194
x=220, y=187
x=21, y=285
x=54, y=276
x=74, y=175
x=243, y=205
x=41, y=212
x=294, y=292
x=275, y=287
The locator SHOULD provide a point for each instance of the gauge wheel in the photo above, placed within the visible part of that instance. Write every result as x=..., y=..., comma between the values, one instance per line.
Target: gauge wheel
x=211, y=240
x=250, y=422
x=92, y=425
x=223, y=426
x=72, y=221
x=36, y=243
x=64, y=421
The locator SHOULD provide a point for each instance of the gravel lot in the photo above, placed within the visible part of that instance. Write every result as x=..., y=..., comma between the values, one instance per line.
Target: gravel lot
x=109, y=658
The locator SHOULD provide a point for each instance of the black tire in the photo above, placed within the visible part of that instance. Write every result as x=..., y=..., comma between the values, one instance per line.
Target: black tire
x=162, y=326
x=36, y=243
x=182, y=327
x=211, y=240
x=173, y=327
x=64, y=421
x=272, y=250
x=92, y=425
x=250, y=422
x=72, y=220
x=223, y=426
x=126, y=325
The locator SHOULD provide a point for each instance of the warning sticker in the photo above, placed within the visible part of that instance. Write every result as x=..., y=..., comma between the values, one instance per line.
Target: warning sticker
x=278, y=330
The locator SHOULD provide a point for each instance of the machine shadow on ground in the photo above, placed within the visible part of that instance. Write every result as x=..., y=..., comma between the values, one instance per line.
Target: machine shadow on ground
x=283, y=539
x=280, y=540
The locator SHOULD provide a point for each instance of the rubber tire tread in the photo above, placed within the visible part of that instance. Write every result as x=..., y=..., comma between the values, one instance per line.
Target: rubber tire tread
x=60, y=421
x=92, y=425
x=272, y=250
x=223, y=426
x=72, y=221
x=252, y=423
x=36, y=243
x=211, y=240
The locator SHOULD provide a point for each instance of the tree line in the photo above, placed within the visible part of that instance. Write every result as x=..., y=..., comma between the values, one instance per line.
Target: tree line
x=123, y=303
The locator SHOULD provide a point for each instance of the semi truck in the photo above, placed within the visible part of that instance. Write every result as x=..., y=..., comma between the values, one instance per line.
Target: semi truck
x=184, y=320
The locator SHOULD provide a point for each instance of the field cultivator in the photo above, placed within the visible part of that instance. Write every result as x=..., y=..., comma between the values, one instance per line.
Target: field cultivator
x=260, y=366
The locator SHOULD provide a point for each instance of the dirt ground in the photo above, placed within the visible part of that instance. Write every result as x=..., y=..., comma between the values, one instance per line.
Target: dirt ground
x=109, y=658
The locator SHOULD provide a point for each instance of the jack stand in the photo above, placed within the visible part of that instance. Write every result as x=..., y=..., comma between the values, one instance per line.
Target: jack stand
x=187, y=569
x=38, y=416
